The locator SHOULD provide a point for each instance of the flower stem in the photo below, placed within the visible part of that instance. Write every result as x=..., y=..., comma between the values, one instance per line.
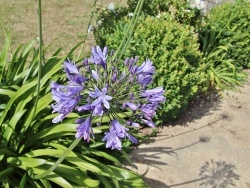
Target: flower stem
x=58, y=162
x=39, y=15
x=87, y=33
x=129, y=31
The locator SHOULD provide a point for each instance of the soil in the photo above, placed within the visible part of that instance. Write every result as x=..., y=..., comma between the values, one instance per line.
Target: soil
x=208, y=147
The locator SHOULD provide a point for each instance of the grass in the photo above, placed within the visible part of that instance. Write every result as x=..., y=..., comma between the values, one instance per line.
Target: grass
x=64, y=22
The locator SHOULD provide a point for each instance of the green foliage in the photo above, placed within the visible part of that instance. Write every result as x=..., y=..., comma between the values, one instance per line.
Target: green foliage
x=30, y=146
x=221, y=73
x=232, y=21
x=175, y=52
x=109, y=22
x=179, y=10
x=106, y=22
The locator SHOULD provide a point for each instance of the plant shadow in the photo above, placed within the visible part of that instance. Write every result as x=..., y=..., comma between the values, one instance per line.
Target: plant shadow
x=214, y=174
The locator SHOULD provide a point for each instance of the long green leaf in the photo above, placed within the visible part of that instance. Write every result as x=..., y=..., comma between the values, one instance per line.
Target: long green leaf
x=22, y=90
x=4, y=56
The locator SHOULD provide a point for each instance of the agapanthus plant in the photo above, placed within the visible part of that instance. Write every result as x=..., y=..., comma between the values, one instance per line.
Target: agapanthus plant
x=103, y=86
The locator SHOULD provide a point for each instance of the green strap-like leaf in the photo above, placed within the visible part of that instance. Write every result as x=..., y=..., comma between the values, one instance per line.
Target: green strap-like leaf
x=25, y=162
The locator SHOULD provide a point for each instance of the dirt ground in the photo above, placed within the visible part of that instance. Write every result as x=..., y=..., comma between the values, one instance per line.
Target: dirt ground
x=208, y=147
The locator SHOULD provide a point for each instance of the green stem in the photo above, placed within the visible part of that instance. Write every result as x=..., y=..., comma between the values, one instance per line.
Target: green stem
x=39, y=13
x=136, y=15
x=58, y=162
x=86, y=36
x=129, y=30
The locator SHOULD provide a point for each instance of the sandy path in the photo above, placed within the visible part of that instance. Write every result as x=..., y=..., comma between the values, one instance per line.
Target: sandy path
x=213, y=148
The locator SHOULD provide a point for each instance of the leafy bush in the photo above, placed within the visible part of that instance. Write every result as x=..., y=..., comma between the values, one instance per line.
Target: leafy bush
x=221, y=73
x=232, y=21
x=31, y=144
x=175, y=52
x=109, y=21
x=179, y=10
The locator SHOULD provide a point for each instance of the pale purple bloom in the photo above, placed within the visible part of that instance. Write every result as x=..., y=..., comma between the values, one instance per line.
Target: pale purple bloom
x=66, y=100
x=101, y=97
x=148, y=111
x=95, y=91
x=84, y=130
x=157, y=98
x=64, y=106
x=151, y=92
x=144, y=79
x=131, y=105
x=73, y=74
x=112, y=140
x=85, y=107
x=98, y=56
x=120, y=130
x=116, y=132
x=97, y=110
x=146, y=67
x=134, y=124
x=114, y=77
x=95, y=75
x=132, y=139
x=148, y=122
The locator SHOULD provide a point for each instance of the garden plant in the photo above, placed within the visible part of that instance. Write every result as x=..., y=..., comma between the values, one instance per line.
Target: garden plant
x=67, y=121
x=100, y=99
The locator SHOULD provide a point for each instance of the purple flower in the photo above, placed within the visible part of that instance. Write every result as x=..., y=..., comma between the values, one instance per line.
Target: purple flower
x=112, y=139
x=144, y=79
x=150, y=92
x=148, y=111
x=101, y=97
x=95, y=75
x=116, y=132
x=146, y=67
x=114, y=77
x=97, y=110
x=120, y=130
x=157, y=98
x=131, y=106
x=73, y=74
x=98, y=56
x=65, y=101
x=108, y=91
x=134, y=124
x=84, y=129
x=149, y=123
x=132, y=139
x=85, y=107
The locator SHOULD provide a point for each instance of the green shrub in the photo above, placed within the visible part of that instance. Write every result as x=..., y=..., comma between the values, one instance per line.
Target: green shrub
x=175, y=52
x=221, y=73
x=179, y=10
x=232, y=21
x=109, y=22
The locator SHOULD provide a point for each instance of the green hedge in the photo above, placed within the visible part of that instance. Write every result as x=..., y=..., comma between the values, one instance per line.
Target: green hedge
x=175, y=52
x=232, y=21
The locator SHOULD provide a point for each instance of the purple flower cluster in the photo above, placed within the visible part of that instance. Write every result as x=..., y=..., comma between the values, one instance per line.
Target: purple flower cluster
x=100, y=87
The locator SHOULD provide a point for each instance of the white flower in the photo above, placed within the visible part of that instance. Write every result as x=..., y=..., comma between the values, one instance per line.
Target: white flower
x=130, y=14
x=158, y=16
x=90, y=28
x=99, y=22
x=111, y=7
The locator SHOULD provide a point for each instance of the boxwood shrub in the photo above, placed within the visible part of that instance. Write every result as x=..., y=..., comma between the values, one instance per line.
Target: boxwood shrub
x=175, y=52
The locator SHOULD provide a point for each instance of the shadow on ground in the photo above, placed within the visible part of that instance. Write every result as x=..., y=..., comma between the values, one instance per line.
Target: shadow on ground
x=214, y=174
